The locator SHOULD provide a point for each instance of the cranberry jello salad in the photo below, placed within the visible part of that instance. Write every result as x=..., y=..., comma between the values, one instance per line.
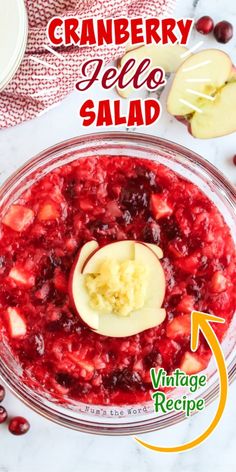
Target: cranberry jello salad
x=101, y=263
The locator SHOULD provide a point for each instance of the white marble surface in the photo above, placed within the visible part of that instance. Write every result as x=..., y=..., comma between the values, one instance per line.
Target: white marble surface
x=49, y=446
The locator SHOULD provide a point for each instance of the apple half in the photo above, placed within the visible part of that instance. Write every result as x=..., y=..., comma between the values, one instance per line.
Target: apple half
x=203, y=94
x=110, y=324
x=169, y=57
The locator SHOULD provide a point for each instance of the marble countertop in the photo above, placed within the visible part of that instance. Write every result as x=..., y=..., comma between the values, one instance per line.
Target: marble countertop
x=49, y=446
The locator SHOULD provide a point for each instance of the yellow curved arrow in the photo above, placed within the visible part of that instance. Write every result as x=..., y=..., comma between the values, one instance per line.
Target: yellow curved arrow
x=201, y=321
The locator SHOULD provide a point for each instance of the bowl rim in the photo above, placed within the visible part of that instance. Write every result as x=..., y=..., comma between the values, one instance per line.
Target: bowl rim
x=145, y=425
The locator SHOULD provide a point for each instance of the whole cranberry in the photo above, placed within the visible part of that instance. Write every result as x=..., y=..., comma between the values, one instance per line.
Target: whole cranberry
x=2, y=393
x=234, y=159
x=3, y=415
x=18, y=426
x=205, y=25
x=223, y=32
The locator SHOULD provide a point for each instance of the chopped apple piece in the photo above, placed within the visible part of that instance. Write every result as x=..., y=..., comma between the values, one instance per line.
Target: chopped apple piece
x=21, y=276
x=180, y=326
x=218, y=282
x=150, y=314
x=186, y=305
x=48, y=211
x=18, y=218
x=17, y=325
x=203, y=73
x=192, y=363
x=160, y=207
x=169, y=57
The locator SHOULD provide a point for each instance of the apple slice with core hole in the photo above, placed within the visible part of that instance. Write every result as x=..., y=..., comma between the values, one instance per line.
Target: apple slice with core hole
x=169, y=57
x=75, y=276
x=202, y=73
x=110, y=324
x=218, y=118
x=204, y=94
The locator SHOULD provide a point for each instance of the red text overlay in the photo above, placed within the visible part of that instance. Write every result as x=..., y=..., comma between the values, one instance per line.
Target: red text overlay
x=89, y=32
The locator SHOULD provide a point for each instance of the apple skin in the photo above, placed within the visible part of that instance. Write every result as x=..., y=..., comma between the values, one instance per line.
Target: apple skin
x=181, y=119
x=149, y=247
x=232, y=77
x=185, y=122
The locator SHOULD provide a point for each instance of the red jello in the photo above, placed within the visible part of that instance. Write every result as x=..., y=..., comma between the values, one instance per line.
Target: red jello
x=109, y=199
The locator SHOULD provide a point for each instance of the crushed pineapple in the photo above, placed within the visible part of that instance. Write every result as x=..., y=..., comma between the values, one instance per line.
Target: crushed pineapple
x=118, y=288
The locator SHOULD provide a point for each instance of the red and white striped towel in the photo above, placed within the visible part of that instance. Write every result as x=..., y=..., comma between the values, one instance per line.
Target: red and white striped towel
x=36, y=87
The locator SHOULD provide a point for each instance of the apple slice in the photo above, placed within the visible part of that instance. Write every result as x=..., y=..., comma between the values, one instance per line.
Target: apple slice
x=119, y=327
x=120, y=250
x=81, y=301
x=85, y=252
x=158, y=251
x=203, y=73
x=169, y=57
x=48, y=211
x=110, y=324
x=17, y=325
x=218, y=118
x=76, y=280
x=156, y=287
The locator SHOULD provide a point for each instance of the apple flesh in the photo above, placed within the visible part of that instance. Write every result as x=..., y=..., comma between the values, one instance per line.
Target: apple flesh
x=84, y=253
x=110, y=324
x=218, y=117
x=158, y=251
x=76, y=279
x=169, y=57
x=203, y=94
x=16, y=323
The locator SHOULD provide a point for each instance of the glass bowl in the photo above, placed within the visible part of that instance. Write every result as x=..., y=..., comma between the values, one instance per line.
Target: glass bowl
x=132, y=419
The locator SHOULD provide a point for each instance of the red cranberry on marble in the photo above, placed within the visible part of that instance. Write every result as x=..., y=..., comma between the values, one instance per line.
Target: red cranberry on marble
x=234, y=159
x=2, y=393
x=204, y=25
x=19, y=426
x=3, y=415
x=223, y=32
